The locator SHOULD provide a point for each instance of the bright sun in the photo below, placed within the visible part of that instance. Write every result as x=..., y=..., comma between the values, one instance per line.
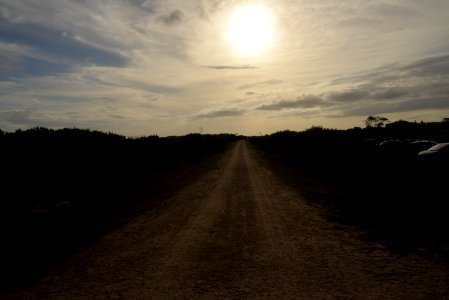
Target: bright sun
x=250, y=29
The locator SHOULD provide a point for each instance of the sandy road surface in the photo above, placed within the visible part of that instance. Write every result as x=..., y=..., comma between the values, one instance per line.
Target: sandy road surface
x=238, y=232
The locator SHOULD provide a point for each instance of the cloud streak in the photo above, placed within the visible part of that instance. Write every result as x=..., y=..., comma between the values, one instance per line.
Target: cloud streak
x=222, y=113
x=172, y=19
x=222, y=67
x=399, y=87
x=308, y=101
x=270, y=82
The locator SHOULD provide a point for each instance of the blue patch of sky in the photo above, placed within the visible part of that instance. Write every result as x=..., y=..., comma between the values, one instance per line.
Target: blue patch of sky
x=149, y=7
x=31, y=67
x=65, y=52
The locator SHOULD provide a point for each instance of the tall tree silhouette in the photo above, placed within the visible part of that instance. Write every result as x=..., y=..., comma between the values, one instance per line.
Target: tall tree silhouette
x=375, y=121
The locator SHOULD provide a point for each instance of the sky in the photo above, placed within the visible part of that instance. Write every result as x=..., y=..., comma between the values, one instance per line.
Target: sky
x=172, y=67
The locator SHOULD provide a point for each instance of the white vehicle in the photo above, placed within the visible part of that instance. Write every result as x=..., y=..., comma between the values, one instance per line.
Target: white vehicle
x=439, y=150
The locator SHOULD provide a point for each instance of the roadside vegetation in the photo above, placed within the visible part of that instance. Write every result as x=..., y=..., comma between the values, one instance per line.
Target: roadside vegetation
x=62, y=189
x=372, y=178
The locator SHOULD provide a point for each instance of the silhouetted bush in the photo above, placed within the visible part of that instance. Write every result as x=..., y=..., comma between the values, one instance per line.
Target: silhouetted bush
x=60, y=188
x=389, y=188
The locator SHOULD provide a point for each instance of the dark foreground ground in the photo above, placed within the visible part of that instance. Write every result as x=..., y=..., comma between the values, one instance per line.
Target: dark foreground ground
x=62, y=190
x=394, y=195
x=249, y=226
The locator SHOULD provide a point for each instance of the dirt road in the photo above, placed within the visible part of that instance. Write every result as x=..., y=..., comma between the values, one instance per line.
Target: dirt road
x=239, y=232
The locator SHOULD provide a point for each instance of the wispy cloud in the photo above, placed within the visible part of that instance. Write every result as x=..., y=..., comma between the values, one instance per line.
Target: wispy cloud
x=231, y=112
x=427, y=77
x=263, y=83
x=173, y=18
x=242, y=67
x=307, y=101
x=348, y=96
x=410, y=105
x=398, y=87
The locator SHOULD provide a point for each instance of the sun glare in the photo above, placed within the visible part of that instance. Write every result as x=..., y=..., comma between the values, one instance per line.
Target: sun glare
x=250, y=29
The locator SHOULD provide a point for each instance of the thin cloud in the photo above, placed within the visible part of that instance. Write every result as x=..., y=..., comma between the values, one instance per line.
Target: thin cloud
x=418, y=104
x=8, y=61
x=172, y=19
x=42, y=50
x=393, y=73
x=399, y=87
x=233, y=112
x=243, y=67
x=148, y=6
x=348, y=96
x=263, y=83
x=392, y=10
x=358, y=22
x=308, y=101
x=390, y=93
x=430, y=66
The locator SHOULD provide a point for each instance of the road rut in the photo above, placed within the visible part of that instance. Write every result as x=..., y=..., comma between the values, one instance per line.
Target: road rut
x=239, y=232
